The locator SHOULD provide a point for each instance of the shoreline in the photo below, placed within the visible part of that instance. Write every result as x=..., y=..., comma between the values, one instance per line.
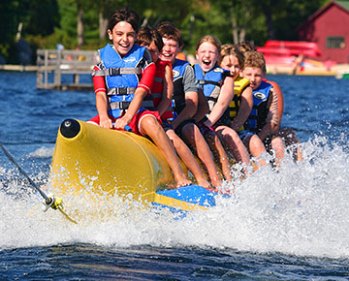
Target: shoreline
x=337, y=71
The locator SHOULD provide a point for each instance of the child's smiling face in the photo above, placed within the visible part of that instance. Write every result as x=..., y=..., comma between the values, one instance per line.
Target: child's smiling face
x=231, y=63
x=123, y=37
x=207, y=56
x=169, y=50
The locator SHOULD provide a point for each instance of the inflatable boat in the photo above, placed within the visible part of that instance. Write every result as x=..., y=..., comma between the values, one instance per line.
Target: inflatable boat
x=107, y=161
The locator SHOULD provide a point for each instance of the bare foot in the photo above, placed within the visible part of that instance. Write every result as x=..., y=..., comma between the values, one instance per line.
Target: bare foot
x=216, y=180
x=204, y=183
x=183, y=182
x=227, y=174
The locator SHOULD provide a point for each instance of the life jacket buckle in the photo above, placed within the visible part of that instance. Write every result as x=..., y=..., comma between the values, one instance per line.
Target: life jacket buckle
x=121, y=105
x=120, y=91
x=114, y=71
x=124, y=105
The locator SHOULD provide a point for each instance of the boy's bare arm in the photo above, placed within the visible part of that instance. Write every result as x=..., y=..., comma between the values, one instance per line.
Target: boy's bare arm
x=191, y=105
x=203, y=107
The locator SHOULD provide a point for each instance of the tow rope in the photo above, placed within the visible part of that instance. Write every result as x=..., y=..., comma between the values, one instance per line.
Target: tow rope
x=49, y=201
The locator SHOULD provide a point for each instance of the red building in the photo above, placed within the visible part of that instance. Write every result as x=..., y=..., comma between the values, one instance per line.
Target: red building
x=329, y=28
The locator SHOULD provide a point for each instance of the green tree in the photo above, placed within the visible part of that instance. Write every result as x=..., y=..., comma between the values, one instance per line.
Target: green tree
x=289, y=17
x=9, y=24
x=20, y=19
x=78, y=23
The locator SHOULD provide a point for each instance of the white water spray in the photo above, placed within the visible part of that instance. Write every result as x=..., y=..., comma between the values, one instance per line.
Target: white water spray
x=303, y=209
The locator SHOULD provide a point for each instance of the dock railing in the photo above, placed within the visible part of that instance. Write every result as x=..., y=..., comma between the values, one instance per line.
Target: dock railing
x=64, y=69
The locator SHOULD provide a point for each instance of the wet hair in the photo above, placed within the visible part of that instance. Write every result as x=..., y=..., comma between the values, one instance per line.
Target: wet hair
x=169, y=31
x=234, y=51
x=255, y=59
x=124, y=14
x=246, y=46
x=210, y=39
x=146, y=35
x=225, y=49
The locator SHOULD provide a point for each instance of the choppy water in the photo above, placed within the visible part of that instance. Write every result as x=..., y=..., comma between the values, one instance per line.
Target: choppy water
x=290, y=225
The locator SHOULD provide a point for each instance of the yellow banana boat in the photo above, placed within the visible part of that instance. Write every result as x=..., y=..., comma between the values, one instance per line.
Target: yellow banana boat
x=112, y=161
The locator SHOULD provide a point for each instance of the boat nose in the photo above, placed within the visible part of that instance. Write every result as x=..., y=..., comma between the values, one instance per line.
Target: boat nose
x=70, y=128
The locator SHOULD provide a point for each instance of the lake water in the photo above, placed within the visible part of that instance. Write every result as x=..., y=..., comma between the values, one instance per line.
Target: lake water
x=287, y=225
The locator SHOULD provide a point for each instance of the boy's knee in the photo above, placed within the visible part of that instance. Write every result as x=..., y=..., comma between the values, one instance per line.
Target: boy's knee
x=149, y=120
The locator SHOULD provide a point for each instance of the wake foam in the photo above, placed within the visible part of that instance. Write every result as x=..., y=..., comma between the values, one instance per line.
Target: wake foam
x=301, y=209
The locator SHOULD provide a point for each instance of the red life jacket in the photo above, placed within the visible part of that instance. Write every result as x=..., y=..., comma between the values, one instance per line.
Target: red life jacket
x=158, y=87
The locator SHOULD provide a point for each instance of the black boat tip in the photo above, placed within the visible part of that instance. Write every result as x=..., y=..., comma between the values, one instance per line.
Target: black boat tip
x=70, y=128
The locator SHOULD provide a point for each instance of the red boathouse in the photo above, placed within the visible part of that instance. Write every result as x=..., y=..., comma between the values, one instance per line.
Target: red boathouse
x=329, y=28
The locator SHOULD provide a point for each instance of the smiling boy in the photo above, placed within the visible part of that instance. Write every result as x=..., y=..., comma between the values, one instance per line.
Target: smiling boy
x=264, y=118
x=185, y=97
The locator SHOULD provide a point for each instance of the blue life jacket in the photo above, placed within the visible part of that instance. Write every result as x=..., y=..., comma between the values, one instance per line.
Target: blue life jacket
x=259, y=112
x=122, y=75
x=210, y=80
x=210, y=84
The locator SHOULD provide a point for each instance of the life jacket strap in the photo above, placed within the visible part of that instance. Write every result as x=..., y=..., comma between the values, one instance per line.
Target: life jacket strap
x=158, y=79
x=204, y=82
x=119, y=105
x=122, y=105
x=121, y=91
x=117, y=71
x=156, y=95
x=211, y=99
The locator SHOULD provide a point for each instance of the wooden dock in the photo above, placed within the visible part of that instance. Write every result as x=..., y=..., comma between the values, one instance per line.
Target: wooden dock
x=66, y=69
x=16, y=67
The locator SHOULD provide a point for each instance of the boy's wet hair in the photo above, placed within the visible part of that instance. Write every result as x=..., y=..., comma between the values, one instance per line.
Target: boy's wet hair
x=255, y=59
x=169, y=31
x=124, y=14
x=146, y=35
